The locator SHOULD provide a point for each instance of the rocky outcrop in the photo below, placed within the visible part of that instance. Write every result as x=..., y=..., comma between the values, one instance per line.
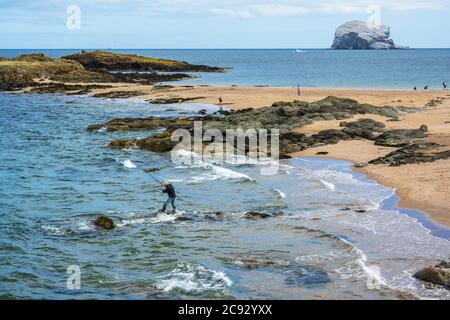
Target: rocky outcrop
x=400, y=138
x=439, y=274
x=64, y=88
x=92, y=67
x=140, y=124
x=173, y=100
x=419, y=152
x=102, y=60
x=285, y=116
x=357, y=35
x=118, y=94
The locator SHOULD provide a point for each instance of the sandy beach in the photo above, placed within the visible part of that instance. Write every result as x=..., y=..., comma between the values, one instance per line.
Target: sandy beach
x=420, y=186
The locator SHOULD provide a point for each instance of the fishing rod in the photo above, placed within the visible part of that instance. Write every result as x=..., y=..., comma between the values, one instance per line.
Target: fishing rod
x=132, y=165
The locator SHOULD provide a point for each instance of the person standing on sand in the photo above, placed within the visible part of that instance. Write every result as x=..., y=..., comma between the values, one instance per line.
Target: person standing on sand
x=299, y=91
x=220, y=100
x=170, y=190
x=444, y=84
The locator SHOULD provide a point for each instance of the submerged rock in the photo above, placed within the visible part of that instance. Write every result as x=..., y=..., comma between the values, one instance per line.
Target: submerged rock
x=354, y=35
x=104, y=222
x=257, y=215
x=439, y=274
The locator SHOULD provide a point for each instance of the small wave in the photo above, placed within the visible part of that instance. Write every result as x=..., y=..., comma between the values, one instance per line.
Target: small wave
x=194, y=279
x=373, y=273
x=128, y=164
x=328, y=185
x=281, y=193
x=337, y=177
x=218, y=173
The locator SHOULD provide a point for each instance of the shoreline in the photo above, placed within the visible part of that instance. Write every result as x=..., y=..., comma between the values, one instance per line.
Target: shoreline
x=421, y=186
x=399, y=202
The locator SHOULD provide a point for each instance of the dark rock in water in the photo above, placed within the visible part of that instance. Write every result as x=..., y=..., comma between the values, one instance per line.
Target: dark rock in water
x=104, y=222
x=183, y=219
x=214, y=215
x=399, y=138
x=173, y=100
x=439, y=274
x=249, y=263
x=358, y=35
x=307, y=276
x=257, y=215
x=203, y=111
x=149, y=170
x=419, y=152
x=118, y=94
x=129, y=124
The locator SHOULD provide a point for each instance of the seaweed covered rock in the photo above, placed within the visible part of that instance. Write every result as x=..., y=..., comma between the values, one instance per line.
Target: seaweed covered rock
x=439, y=274
x=257, y=215
x=173, y=100
x=118, y=94
x=104, y=222
x=419, y=152
x=132, y=124
x=399, y=138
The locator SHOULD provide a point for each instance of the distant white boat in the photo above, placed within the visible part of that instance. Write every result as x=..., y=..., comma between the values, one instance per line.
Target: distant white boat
x=298, y=51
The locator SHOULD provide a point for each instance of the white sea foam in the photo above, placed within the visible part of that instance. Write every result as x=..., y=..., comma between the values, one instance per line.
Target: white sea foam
x=192, y=160
x=194, y=279
x=337, y=177
x=58, y=231
x=159, y=218
x=370, y=272
x=328, y=185
x=129, y=164
x=281, y=193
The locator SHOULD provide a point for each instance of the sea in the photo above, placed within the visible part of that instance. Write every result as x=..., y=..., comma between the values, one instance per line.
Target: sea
x=332, y=234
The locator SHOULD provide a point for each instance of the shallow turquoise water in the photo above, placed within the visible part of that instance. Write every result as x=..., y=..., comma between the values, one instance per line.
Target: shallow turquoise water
x=310, y=68
x=55, y=178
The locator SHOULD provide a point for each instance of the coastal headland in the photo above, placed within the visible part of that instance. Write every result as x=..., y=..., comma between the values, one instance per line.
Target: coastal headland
x=400, y=138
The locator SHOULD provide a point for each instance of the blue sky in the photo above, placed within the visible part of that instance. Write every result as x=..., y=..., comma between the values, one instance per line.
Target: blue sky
x=214, y=23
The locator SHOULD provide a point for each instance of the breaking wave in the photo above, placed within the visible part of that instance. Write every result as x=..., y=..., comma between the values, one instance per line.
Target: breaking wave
x=194, y=279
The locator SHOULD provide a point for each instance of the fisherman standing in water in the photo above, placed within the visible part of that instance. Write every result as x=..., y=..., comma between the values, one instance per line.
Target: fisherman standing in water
x=170, y=190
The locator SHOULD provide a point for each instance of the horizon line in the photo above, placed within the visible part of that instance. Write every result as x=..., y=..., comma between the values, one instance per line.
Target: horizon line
x=286, y=48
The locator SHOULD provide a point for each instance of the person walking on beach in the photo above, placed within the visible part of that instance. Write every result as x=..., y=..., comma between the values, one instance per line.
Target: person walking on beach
x=444, y=84
x=299, y=91
x=220, y=100
x=170, y=190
